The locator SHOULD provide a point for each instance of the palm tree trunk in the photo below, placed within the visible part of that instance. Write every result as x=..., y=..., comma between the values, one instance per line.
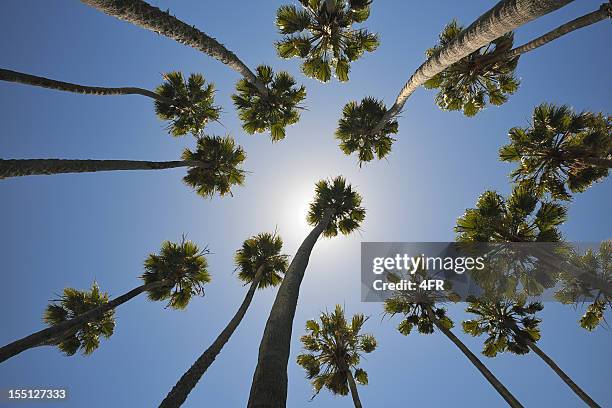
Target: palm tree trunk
x=499, y=387
x=177, y=396
x=551, y=363
x=505, y=16
x=602, y=13
x=597, y=162
x=353, y=388
x=144, y=15
x=44, y=337
x=27, y=79
x=269, y=387
x=30, y=167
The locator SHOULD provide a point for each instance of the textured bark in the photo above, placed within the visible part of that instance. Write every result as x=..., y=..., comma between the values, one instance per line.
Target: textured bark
x=353, y=388
x=586, y=20
x=144, y=15
x=598, y=162
x=55, y=333
x=177, y=396
x=499, y=387
x=31, y=167
x=504, y=17
x=27, y=79
x=269, y=387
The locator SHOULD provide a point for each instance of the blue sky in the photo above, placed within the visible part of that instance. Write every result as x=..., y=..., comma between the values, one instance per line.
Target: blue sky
x=68, y=230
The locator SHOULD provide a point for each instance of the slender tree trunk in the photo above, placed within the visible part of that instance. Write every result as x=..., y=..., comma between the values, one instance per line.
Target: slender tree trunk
x=505, y=16
x=177, y=396
x=30, y=167
x=597, y=162
x=499, y=387
x=144, y=15
x=269, y=387
x=27, y=79
x=577, y=390
x=601, y=14
x=58, y=331
x=353, y=388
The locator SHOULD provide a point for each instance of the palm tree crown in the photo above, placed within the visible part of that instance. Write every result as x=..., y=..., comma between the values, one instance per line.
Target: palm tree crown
x=574, y=290
x=192, y=103
x=262, y=250
x=515, y=219
x=561, y=148
x=511, y=326
x=273, y=111
x=73, y=303
x=220, y=170
x=184, y=269
x=337, y=199
x=483, y=74
x=329, y=41
x=334, y=347
x=356, y=130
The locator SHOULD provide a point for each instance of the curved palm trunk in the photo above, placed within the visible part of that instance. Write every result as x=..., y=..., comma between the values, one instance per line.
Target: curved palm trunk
x=601, y=14
x=269, y=387
x=505, y=16
x=31, y=167
x=353, y=388
x=144, y=15
x=27, y=79
x=177, y=396
x=50, y=334
x=499, y=387
x=597, y=162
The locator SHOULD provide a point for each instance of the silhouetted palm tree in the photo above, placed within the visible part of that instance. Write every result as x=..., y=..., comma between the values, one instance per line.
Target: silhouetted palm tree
x=189, y=106
x=79, y=318
x=260, y=264
x=512, y=326
x=561, y=148
x=334, y=349
x=577, y=289
x=213, y=168
x=420, y=308
x=322, y=35
x=504, y=17
x=277, y=110
x=336, y=208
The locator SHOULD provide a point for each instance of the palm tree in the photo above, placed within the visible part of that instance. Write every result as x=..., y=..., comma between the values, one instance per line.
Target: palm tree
x=213, y=168
x=329, y=41
x=512, y=326
x=79, y=318
x=488, y=73
x=575, y=289
x=561, y=148
x=504, y=17
x=334, y=349
x=336, y=208
x=189, y=106
x=260, y=264
x=420, y=308
x=273, y=112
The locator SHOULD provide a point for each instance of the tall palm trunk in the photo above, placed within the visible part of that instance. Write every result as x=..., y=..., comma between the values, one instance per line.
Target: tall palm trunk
x=505, y=16
x=269, y=387
x=49, y=335
x=177, y=396
x=597, y=162
x=142, y=14
x=591, y=18
x=570, y=383
x=31, y=167
x=499, y=387
x=353, y=388
x=27, y=79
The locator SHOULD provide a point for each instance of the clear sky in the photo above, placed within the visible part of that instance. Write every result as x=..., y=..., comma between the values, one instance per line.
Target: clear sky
x=68, y=230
